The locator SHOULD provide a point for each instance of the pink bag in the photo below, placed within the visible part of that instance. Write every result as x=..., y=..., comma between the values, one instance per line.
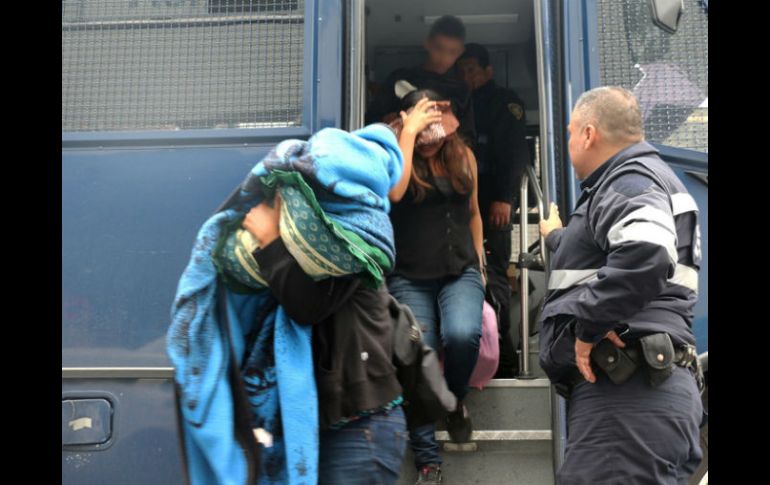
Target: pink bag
x=489, y=349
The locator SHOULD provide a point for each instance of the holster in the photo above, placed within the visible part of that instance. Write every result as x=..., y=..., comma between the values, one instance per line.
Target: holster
x=658, y=352
x=655, y=353
x=619, y=364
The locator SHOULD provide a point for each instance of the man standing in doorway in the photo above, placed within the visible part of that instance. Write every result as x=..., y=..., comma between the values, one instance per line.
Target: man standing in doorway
x=502, y=155
x=443, y=45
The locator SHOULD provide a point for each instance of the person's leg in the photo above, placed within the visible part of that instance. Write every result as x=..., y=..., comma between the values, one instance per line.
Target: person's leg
x=367, y=451
x=498, y=245
x=420, y=297
x=632, y=433
x=345, y=455
x=389, y=437
x=460, y=302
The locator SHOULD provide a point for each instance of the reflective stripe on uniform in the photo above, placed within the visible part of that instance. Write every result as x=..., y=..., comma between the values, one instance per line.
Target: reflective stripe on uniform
x=683, y=202
x=646, y=224
x=685, y=276
x=566, y=278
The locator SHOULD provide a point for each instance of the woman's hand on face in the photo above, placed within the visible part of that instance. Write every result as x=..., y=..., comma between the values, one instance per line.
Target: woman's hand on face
x=420, y=117
x=262, y=221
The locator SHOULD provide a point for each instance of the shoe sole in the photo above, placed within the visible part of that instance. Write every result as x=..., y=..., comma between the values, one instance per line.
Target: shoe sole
x=463, y=447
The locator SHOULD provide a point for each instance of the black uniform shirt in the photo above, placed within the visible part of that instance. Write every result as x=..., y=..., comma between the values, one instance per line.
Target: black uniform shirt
x=501, y=146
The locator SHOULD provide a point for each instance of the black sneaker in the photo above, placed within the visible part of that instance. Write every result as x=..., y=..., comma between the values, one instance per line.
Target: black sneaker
x=458, y=424
x=429, y=475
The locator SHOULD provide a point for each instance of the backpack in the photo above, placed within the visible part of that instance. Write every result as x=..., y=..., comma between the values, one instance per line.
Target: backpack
x=427, y=398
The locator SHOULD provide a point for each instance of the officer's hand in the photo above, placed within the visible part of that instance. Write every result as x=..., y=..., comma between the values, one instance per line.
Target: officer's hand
x=583, y=354
x=262, y=221
x=499, y=214
x=583, y=359
x=553, y=221
x=420, y=117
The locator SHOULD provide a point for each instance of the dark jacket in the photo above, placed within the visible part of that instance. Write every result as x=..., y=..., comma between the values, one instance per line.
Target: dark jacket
x=448, y=85
x=501, y=147
x=352, y=336
x=627, y=261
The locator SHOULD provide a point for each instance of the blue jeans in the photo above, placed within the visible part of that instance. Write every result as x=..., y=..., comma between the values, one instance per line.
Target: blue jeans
x=449, y=310
x=368, y=451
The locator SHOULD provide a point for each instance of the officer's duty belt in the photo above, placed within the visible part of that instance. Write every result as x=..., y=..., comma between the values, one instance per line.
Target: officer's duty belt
x=654, y=353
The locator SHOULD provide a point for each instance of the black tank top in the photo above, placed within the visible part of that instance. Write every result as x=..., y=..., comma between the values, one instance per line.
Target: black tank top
x=433, y=236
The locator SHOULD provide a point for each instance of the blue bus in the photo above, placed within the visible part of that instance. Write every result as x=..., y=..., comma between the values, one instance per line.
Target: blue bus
x=166, y=104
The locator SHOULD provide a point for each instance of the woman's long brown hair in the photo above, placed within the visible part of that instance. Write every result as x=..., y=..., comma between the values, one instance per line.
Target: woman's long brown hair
x=451, y=155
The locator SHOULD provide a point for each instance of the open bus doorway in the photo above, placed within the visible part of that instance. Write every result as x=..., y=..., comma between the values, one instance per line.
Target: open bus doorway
x=393, y=34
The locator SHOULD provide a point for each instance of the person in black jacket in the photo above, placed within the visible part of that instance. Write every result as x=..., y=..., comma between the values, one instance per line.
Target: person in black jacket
x=363, y=429
x=443, y=46
x=617, y=335
x=502, y=155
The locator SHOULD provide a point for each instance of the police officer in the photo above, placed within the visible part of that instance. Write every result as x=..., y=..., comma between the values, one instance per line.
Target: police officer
x=617, y=320
x=444, y=44
x=502, y=155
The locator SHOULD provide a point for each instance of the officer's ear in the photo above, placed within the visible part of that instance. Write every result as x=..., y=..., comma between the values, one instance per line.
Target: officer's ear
x=489, y=71
x=591, y=136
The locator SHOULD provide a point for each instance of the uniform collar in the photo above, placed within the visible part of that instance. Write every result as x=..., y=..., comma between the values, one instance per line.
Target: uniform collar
x=591, y=180
x=627, y=153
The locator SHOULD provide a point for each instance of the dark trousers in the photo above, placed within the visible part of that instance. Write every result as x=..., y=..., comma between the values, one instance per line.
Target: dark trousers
x=498, y=248
x=632, y=433
x=497, y=245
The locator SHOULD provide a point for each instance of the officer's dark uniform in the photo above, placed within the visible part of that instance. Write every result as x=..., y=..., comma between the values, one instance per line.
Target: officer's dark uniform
x=448, y=85
x=502, y=154
x=628, y=261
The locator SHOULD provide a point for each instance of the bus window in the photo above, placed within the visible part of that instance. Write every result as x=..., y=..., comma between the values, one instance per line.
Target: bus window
x=667, y=72
x=186, y=64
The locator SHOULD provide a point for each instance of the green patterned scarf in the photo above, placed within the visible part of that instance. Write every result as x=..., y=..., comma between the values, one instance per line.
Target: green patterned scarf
x=321, y=246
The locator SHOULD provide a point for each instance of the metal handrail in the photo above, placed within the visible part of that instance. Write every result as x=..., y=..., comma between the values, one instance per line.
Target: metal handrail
x=526, y=261
x=356, y=42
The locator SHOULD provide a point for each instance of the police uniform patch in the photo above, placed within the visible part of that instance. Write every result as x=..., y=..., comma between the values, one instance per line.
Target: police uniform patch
x=516, y=110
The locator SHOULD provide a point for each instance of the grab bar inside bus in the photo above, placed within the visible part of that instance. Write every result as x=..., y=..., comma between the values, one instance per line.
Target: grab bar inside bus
x=528, y=260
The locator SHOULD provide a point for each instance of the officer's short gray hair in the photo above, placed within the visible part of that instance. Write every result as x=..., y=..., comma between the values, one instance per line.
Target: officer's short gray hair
x=614, y=111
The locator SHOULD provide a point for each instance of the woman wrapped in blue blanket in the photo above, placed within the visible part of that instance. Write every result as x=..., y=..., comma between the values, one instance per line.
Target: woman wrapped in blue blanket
x=362, y=425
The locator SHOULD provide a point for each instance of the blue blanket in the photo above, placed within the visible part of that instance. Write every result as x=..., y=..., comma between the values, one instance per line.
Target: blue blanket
x=351, y=174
